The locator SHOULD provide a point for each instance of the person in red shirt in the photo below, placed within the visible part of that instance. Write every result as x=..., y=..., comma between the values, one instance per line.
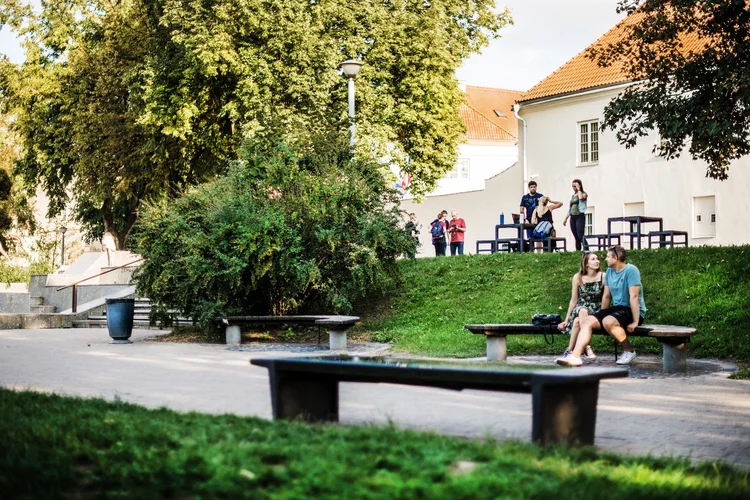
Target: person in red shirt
x=456, y=229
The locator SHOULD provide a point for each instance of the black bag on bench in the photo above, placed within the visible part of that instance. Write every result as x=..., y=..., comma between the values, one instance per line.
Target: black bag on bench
x=546, y=320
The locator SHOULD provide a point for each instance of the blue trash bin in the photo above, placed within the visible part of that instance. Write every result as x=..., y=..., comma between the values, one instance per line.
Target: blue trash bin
x=120, y=314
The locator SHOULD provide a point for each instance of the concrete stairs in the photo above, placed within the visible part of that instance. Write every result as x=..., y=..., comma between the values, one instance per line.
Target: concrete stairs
x=140, y=320
x=36, y=305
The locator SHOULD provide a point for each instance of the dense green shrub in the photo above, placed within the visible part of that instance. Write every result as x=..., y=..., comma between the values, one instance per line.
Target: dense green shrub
x=287, y=230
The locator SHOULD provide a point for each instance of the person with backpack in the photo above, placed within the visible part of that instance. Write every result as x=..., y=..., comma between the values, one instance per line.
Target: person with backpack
x=438, y=231
x=542, y=217
x=577, y=214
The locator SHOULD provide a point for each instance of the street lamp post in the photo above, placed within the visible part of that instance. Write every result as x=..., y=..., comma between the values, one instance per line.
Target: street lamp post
x=351, y=68
x=62, y=246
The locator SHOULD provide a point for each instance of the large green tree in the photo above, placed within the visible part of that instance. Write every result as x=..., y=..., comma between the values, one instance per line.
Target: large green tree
x=121, y=102
x=689, y=59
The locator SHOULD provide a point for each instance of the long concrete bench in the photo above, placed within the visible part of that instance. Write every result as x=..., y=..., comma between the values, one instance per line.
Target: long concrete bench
x=563, y=400
x=336, y=326
x=674, y=340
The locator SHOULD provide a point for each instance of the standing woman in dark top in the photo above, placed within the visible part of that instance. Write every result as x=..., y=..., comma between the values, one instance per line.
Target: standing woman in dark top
x=577, y=214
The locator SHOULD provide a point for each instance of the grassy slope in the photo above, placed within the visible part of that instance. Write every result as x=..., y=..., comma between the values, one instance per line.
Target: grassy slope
x=704, y=287
x=56, y=447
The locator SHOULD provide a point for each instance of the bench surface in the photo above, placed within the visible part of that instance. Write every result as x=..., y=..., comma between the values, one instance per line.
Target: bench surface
x=563, y=400
x=329, y=321
x=444, y=374
x=501, y=330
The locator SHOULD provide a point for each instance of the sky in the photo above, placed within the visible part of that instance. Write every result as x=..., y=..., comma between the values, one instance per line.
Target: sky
x=546, y=34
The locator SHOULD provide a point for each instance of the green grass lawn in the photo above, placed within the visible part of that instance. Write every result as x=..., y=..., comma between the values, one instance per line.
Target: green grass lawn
x=704, y=287
x=61, y=447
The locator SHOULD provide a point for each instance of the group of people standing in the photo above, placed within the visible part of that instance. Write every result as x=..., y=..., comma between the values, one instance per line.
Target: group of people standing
x=445, y=232
x=536, y=208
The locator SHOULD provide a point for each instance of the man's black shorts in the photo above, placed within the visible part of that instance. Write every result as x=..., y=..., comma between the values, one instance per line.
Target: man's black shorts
x=622, y=314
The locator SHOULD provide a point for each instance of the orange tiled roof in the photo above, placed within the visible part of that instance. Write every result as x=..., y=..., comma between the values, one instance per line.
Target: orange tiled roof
x=478, y=114
x=581, y=73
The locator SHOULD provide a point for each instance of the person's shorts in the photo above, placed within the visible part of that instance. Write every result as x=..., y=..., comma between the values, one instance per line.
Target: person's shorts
x=622, y=314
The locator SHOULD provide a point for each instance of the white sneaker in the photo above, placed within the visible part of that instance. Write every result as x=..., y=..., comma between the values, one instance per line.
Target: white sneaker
x=570, y=360
x=626, y=357
x=565, y=355
x=589, y=352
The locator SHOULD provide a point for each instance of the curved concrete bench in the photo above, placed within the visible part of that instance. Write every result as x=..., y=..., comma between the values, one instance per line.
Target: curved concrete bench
x=336, y=326
x=673, y=339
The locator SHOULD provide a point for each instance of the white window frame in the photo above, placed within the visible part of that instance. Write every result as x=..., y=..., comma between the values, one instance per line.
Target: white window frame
x=462, y=170
x=589, y=227
x=587, y=139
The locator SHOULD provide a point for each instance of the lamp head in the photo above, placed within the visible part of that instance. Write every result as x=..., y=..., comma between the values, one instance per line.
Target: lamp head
x=351, y=67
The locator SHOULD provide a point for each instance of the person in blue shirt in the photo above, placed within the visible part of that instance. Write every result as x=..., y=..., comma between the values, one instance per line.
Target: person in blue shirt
x=623, y=309
x=530, y=201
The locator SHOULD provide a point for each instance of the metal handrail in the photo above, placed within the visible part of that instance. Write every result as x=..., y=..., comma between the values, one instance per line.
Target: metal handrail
x=74, y=305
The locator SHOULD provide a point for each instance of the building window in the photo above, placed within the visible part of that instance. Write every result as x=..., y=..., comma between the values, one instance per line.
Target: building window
x=589, y=142
x=589, y=220
x=704, y=219
x=461, y=171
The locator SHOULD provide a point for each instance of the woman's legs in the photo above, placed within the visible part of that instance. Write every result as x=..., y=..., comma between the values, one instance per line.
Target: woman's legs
x=578, y=227
x=574, y=334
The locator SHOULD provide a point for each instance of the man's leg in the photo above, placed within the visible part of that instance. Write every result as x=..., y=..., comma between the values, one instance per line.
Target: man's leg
x=460, y=247
x=454, y=247
x=613, y=327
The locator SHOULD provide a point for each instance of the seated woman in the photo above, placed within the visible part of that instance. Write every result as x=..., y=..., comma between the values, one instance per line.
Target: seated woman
x=543, y=212
x=585, y=299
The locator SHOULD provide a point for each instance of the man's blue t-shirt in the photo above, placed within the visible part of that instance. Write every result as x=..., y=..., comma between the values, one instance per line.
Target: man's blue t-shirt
x=619, y=284
x=529, y=202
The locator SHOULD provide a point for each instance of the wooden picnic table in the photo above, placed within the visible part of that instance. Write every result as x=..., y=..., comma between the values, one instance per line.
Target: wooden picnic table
x=635, y=221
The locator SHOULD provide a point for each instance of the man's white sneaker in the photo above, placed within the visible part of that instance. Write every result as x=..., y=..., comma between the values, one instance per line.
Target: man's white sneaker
x=570, y=360
x=626, y=357
x=589, y=352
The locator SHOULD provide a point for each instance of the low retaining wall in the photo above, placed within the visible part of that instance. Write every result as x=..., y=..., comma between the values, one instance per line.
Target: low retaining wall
x=37, y=321
x=14, y=302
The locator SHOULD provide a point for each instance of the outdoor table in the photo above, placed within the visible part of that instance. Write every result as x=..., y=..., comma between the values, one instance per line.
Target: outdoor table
x=563, y=401
x=520, y=227
x=635, y=222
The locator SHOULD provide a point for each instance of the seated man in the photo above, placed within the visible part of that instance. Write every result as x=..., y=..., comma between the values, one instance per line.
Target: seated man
x=622, y=309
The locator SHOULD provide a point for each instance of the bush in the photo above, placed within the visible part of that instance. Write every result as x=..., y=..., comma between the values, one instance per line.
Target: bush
x=287, y=230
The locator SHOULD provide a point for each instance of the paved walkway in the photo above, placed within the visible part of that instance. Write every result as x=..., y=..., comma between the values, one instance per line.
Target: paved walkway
x=702, y=415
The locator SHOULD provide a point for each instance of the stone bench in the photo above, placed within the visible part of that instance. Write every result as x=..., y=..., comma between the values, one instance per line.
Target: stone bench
x=673, y=339
x=563, y=400
x=336, y=326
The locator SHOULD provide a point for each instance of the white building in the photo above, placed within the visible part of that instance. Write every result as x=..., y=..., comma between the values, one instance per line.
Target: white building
x=559, y=141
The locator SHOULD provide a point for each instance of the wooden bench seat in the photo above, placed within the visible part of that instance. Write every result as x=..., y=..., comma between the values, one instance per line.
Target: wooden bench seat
x=603, y=241
x=336, y=326
x=549, y=244
x=673, y=339
x=491, y=246
x=563, y=400
x=667, y=238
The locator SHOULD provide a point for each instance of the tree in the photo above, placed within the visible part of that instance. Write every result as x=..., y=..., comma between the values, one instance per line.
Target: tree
x=289, y=229
x=123, y=102
x=15, y=211
x=689, y=60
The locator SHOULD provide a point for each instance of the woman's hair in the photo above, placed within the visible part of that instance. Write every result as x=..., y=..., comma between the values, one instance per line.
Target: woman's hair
x=584, y=265
x=542, y=207
x=580, y=185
